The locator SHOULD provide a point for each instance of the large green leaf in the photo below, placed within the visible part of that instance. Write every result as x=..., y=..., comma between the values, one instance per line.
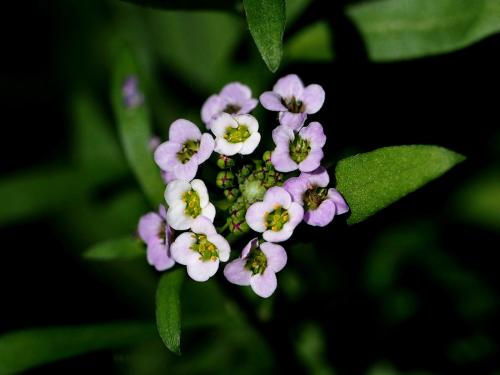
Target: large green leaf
x=372, y=181
x=266, y=21
x=135, y=130
x=405, y=29
x=120, y=248
x=29, y=348
x=168, y=309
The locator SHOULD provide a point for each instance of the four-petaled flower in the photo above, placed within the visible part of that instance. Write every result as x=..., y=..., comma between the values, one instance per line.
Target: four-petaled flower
x=235, y=134
x=302, y=150
x=257, y=266
x=157, y=235
x=201, y=250
x=320, y=203
x=187, y=201
x=276, y=217
x=234, y=98
x=293, y=101
x=184, y=151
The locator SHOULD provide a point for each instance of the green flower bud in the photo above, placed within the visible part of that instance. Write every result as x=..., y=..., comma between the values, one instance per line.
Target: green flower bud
x=225, y=179
x=225, y=162
x=267, y=157
x=231, y=194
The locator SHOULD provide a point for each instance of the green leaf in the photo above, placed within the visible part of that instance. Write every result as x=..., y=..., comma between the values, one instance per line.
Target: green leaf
x=186, y=4
x=266, y=20
x=406, y=29
x=38, y=192
x=120, y=248
x=134, y=126
x=312, y=43
x=168, y=309
x=29, y=348
x=97, y=151
x=372, y=181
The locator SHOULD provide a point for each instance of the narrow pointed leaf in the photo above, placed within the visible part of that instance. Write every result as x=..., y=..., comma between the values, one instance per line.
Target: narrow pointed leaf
x=372, y=181
x=168, y=309
x=406, y=29
x=134, y=126
x=266, y=21
x=22, y=350
x=120, y=248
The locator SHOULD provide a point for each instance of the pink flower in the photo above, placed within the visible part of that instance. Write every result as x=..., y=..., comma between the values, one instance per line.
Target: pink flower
x=257, y=266
x=157, y=234
x=321, y=204
x=276, y=217
x=293, y=101
x=184, y=151
x=302, y=150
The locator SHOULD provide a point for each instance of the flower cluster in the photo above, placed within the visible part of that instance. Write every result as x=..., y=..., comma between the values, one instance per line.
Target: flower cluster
x=269, y=195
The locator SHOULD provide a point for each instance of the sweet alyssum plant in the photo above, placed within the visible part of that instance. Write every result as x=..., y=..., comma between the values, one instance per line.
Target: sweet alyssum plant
x=268, y=194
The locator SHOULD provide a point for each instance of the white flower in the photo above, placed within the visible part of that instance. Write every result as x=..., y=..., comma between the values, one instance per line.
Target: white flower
x=235, y=134
x=187, y=201
x=201, y=250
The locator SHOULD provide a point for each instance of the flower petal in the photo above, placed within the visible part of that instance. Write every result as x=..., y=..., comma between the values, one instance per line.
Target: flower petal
x=318, y=177
x=312, y=161
x=236, y=273
x=278, y=196
x=272, y=102
x=255, y=217
x=150, y=226
x=322, y=215
x=249, y=121
x=340, y=203
x=313, y=98
x=200, y=187
x=181, y=248
x=209, y=212
x=275, y=254
x=282, y=161
x=289, y=87
x=183, y=130
x=224, y=147
x=296, y=186
x=296, y=214
x=315, y=134
x=219, y=125
x=279, y=236
x=165, y=155
x=186, y=171
x=252, y=244
x=282, y=136
x=207, y=145
x=203, y=225
x=292, y=120
x=200, y=270
x=222, y=246
x=167, y=176
x=264, y=285
x=157, y=255
x=175, y=191
x=250, y=144
x=177, y=218
x=248, y=106
x=211, y=108
x=236, y=92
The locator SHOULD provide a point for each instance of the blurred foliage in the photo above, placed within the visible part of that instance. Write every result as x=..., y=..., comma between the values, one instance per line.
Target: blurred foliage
x=182, y=57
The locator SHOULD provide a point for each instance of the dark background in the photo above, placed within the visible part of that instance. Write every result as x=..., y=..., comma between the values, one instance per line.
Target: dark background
x=439, y=314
